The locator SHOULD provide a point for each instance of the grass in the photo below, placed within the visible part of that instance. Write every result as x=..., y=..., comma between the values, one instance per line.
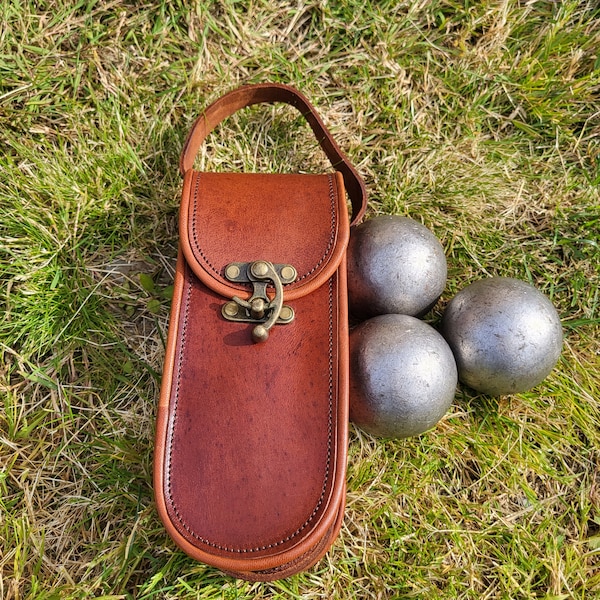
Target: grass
x=480, y=119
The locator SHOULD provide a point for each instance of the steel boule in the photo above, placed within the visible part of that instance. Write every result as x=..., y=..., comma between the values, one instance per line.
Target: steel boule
x=402, y=376
x=505, y=334
x=395, y=265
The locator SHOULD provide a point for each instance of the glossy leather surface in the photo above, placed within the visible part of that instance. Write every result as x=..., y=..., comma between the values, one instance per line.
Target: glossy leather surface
x=293, y=219
x=251, y=439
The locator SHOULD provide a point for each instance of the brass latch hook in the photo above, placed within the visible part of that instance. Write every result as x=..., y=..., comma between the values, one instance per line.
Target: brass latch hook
x=259, y=308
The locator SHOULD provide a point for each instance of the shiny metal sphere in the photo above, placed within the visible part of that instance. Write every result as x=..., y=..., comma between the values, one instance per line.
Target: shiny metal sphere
x=395, y=265
x=402, y=376
x=505, y=334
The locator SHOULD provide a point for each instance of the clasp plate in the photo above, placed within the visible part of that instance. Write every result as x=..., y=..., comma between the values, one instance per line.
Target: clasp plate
x=259, y=308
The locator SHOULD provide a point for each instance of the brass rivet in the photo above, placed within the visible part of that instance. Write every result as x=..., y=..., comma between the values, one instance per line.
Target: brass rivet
x=257, y=307
x=231, y=309
x=286, y=313
x=232, y=272
x=288, y=273
x=260, y=268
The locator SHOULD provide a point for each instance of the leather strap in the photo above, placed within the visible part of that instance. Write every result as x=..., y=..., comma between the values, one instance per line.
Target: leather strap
x=272, y=93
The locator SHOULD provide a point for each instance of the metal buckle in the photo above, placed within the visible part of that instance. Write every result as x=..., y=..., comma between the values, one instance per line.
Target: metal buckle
x=259, y=308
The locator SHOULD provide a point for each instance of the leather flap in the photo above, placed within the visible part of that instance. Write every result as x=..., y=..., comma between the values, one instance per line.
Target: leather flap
x=294, y=219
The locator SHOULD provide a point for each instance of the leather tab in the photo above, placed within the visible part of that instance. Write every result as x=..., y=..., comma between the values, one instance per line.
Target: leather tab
x=243, y=217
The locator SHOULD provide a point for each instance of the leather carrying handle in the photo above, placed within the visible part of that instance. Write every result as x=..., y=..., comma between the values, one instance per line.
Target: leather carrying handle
x=271, y=93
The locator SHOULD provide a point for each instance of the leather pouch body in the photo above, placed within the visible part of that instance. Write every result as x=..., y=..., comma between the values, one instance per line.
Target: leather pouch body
x=251, y=441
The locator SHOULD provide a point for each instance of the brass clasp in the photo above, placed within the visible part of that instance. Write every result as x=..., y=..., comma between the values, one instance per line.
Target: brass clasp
x=259, y=308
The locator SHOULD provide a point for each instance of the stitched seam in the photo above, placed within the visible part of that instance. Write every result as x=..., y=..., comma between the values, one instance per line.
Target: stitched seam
x=326, y=253
x=333, y=223
x=195, y=229
x=296, y=562
x=177, y=388
x=180, y=518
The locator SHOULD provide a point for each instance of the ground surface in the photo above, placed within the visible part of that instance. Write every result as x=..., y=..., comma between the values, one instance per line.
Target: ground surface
x=479, y=119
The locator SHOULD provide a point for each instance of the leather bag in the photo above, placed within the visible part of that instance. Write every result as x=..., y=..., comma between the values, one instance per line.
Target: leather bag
x=252, y=424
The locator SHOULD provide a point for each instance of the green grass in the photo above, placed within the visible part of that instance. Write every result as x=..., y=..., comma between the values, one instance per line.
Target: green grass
x=480, y=119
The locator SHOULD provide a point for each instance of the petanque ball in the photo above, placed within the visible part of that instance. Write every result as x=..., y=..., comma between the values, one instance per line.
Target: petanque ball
x=505, y=334
x=395, y=265
x=402, y=376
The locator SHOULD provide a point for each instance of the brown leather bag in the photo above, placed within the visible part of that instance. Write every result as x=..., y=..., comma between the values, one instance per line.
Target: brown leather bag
x=252, y=426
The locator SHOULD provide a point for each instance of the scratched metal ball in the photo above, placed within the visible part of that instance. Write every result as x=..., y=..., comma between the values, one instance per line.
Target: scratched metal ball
x=395, y=265
x=505, y=334
x=402, y=376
